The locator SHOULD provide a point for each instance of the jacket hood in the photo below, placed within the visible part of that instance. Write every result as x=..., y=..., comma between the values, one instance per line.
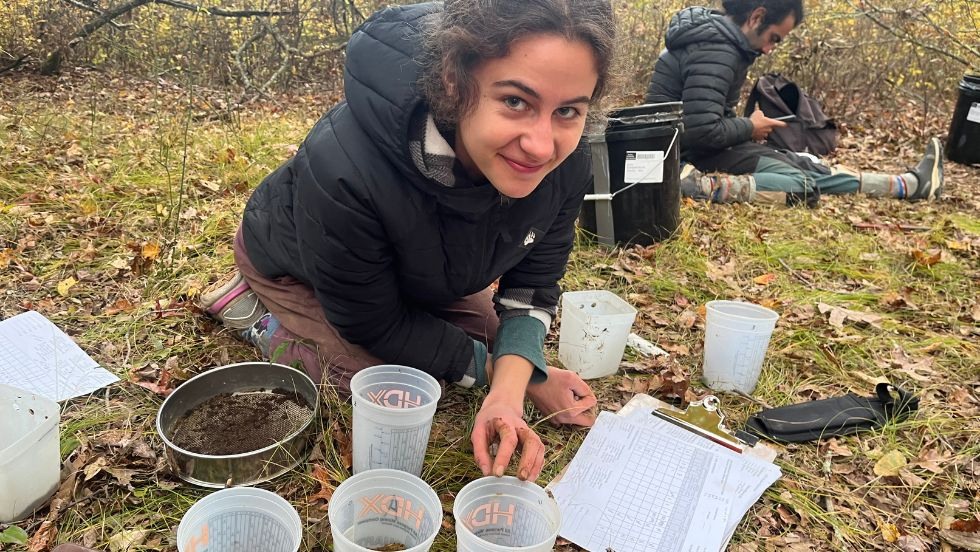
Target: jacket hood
x=698, y=24
x=381, y=76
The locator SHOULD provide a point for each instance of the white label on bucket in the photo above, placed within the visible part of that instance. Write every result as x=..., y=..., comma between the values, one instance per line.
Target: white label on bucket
x=974, y=114
x=644, y=166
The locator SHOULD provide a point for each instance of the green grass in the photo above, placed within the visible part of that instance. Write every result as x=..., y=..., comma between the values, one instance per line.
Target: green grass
x=88, y=180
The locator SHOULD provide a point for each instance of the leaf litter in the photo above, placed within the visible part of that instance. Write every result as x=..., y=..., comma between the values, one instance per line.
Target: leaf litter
x=89, y=200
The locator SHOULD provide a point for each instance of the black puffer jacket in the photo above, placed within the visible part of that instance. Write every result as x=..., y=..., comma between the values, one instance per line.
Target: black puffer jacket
x=704, y=66
x=352, y=216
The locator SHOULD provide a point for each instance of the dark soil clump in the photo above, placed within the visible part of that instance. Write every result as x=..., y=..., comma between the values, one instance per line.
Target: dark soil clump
x=235, y=423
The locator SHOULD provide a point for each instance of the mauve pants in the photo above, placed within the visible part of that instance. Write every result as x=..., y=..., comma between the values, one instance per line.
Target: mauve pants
x=306, y=336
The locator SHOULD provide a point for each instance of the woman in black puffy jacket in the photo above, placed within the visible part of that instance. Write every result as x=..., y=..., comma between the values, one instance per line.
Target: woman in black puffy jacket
x=454, y=162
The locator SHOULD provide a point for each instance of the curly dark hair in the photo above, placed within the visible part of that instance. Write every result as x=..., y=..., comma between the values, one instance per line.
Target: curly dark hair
x=469, y=32
x=776, y=10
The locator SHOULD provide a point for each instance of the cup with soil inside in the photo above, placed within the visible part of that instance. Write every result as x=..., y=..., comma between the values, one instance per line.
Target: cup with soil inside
x=239, y=424
x=384, y=509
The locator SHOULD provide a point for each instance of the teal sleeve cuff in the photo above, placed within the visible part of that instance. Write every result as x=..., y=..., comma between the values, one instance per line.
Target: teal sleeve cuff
x=480, y=363
x=523, y=336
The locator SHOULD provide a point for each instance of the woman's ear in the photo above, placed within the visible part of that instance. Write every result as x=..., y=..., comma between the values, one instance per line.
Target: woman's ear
x=449, y=83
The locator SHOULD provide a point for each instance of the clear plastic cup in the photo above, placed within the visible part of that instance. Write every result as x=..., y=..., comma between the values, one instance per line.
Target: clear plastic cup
x=593, y=332
x=240, y=518
x=382, y=507
x=500, y=514
x=393, y=408
x=736, y=337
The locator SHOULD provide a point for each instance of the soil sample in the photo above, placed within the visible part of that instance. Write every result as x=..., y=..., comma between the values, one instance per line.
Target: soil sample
x=235, y=423
x=391, y=547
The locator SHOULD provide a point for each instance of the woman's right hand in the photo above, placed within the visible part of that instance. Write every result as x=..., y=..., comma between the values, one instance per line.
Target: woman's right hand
x=502, y=421
x=762, y=126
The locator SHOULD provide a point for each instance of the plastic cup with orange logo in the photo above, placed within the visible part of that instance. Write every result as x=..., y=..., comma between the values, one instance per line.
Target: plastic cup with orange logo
x=393, y=409
x=500, y=514
x=384, y=510
x=240, y=518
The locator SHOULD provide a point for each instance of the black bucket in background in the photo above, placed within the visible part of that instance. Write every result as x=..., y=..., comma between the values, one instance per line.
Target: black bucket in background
x=640, y=143
x=963, y=143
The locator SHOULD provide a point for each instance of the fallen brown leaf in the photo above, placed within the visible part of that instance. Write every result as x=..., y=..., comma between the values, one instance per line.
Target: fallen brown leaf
x=926, y=258
x=322, y=476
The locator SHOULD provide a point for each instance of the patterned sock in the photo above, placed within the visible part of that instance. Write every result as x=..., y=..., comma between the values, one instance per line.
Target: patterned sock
x=728, y=188
x=260, y=333
x=885, y=185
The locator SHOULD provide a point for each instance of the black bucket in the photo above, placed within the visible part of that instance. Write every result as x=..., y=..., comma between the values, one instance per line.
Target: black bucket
x=963, y=143
x=636, y=194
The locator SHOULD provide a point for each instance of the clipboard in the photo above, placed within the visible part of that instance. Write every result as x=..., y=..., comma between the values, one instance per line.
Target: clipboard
x=654, y=477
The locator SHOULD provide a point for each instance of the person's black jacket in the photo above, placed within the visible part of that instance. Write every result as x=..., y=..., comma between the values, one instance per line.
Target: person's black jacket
x=352, y=216
x=704, y=66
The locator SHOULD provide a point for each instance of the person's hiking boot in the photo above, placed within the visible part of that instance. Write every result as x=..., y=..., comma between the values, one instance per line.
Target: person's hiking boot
x=929, y=173
x=233, y=303
x=691, y=183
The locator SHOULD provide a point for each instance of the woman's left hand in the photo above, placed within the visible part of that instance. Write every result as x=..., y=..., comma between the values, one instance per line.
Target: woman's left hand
x=565, y=397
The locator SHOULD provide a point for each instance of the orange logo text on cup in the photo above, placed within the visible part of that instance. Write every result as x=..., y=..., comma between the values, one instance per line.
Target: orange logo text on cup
x=200, y=540
x=491, y=513
x=395, y=398
x=392, y=505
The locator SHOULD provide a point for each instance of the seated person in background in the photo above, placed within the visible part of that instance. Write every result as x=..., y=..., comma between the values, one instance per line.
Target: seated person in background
x=705, y=64
x=453, y=162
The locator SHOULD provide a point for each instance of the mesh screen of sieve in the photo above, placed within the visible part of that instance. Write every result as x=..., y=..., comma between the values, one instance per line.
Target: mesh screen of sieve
x=235, y=423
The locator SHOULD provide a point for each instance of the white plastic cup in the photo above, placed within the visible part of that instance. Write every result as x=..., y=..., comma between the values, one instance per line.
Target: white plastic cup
x=393, y=409
x=501, y=514
x=736, y=337
x=381, y=507
x=30, y=458
x=240, y=518
x=593, y=332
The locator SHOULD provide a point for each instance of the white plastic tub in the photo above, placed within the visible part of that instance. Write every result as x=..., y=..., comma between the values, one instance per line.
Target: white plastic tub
x=593, y=331
x=30, y=457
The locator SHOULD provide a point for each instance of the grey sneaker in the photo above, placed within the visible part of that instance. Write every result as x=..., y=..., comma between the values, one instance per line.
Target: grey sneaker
x=233, y=303
x=690, y=181
x=929, y=173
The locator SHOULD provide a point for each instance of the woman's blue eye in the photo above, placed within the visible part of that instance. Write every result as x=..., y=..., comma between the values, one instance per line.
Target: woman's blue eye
x=514, y=102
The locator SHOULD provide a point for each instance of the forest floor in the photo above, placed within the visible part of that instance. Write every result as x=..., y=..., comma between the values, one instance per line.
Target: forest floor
x=118, y=200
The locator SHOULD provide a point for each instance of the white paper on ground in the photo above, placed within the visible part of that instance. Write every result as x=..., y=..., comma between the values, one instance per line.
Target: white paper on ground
x=38, y=357
x=639, y=483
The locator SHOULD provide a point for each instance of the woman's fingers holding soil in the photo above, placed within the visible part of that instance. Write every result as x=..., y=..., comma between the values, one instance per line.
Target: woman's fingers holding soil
x=508, y=436
x=532, y=454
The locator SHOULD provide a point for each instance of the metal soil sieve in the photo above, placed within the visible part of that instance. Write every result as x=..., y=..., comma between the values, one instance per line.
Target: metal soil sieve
x=239, y=424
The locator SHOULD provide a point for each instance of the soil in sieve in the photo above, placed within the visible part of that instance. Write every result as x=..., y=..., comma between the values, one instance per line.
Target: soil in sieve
x=235, y=423
x=391, y=547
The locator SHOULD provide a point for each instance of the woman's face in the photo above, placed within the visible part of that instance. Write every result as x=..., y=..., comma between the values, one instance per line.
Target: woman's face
x=530, y=113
